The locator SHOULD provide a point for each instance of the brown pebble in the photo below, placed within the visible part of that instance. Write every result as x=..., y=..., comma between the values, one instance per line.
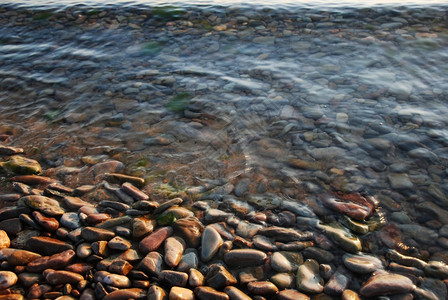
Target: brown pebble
x=206, y=292
x=56, y=261
x=292, y=295
x=153, y=241
x=263, y=288
x=49, y=224
x=55, y=277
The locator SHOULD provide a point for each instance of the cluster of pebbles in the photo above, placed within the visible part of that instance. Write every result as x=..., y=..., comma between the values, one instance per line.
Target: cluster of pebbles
x=56, y=244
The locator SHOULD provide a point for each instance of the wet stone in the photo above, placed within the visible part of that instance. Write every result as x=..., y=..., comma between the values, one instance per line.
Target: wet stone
x=247, y=230
x=132, y=293
x=190, y=228
x=338, y=282
x=11, y=226
x=263, y=243
x=362, y=263
x=308, y=278
x=142, y=226
x=280, y=263
x=321, y=255
x=19, y=165
x=386, y=284
x=211, y=241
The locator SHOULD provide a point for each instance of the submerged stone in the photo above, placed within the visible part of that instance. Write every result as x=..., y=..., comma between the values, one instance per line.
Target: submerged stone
x=308, y=278
x=386, y=284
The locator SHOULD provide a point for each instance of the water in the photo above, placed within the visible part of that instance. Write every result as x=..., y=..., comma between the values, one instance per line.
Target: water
x=294, y=100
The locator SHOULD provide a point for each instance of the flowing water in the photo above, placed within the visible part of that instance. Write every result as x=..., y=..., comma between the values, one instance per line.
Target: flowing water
x=292, y=100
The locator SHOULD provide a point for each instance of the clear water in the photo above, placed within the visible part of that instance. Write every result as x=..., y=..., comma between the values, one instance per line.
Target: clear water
x=300, y=98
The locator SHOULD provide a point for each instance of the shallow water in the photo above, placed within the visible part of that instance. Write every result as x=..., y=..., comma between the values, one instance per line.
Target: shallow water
x=294, y=101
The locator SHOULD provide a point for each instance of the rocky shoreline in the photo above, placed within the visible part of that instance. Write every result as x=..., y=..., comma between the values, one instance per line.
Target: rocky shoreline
x=111, y=240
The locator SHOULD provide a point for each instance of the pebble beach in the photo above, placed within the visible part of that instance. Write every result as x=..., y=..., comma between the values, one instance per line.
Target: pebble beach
x=223, y=152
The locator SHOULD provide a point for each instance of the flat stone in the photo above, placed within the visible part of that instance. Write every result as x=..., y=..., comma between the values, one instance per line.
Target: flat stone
x=153, y=241
x=219, y=277
x=173, y=278
x=55, y=277
x=211, y=241
x=21, y=257
x=263, y=288
x=75, y=203
x=134, y=192
x=190, y=228
x=292, y=295
x=55, y=261
x=263, y=243
x=282, y=234
x=180, y=293
x=362, y=263
x=7, y=279
x=19, y=165
x=235, y=294
x=174, y=248
x=244, y=257
x=49, y=224
x=119, y=243
x=43, y=204
x=5, y=242
x=206, y=292
x=400, y=181
x=386, y=284
x=94, y=234
x=47, y=245
x=132, y=293
x=308, y=277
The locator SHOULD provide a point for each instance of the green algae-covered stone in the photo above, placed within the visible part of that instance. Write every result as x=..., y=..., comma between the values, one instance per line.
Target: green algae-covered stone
x=19, y=165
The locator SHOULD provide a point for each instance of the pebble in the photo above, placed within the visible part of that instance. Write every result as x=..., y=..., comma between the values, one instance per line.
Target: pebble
x=119, y=243
x=94, y=234
x=4, y=240
x=70, y=220
x=173, y=278
x=56, y=261
x=362, y=263
x=219, y=277
x=116, y=280
x=235, y=294
x=155, y=239
x=7, y=279
x=55, y=277
x=386, y=284
x=155, y=292
x=42, y=204
x=264, y=288
x=211, y=241
x=151, y=263
x=174, y=248
x=291, y=295
x=191, y=229
x=206, y=292
x=283, y=280
x=245, y=257
x=308, y=277
x=180, y=293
